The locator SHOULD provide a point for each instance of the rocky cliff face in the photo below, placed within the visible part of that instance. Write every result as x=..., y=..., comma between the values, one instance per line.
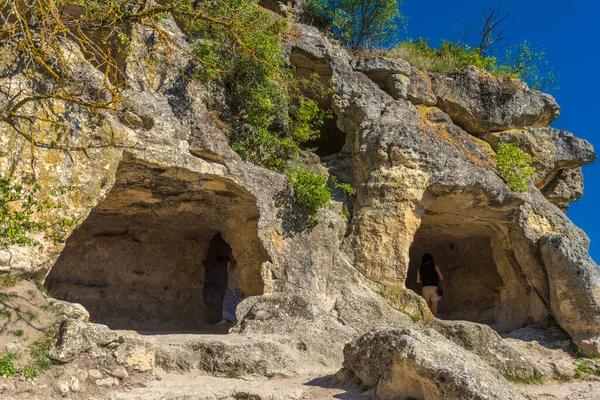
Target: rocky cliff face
x=420, y=150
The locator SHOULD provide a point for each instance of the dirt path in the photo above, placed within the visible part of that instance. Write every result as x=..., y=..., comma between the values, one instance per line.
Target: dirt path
x=197, y=387
x=579, y=390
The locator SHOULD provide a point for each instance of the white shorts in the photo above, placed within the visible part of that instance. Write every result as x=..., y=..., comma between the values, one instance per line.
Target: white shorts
x=430, y=293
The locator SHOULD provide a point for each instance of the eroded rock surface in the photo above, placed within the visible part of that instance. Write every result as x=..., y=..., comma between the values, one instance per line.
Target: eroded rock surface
x=479, y=102
x=145, y=216
x=422, y=365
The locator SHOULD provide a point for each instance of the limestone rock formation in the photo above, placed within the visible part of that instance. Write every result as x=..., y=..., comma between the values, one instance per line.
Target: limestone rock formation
x=479, y=103
x=401, y=364
x=154, y=218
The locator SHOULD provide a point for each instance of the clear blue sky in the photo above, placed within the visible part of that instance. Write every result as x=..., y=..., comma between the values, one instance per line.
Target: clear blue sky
x=569, y=33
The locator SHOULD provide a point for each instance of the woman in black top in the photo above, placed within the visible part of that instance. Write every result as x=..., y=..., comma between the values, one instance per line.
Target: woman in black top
x=430, y=275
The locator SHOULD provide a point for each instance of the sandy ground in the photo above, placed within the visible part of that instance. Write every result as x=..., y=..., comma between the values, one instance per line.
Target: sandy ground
x=575, y=390
x=196, y=387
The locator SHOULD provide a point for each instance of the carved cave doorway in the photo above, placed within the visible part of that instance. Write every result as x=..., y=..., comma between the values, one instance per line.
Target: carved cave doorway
x=150, y=256
x=469, y=239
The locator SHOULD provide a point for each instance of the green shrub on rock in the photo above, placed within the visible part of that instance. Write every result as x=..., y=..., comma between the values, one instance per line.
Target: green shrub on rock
x=17, y=207
x=310, y=188
x=513, y=166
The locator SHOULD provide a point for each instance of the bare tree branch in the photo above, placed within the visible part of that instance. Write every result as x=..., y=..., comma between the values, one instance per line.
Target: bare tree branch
x=485, y=35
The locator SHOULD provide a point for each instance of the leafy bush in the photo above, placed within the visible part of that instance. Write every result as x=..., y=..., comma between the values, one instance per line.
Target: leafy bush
x=520, y=61
x=17, y=207
x=449, y=57
x=310, y=188
x=513, y=166
x=359, y=23
x=272, y=117
x=18, y=332
x=6, y=364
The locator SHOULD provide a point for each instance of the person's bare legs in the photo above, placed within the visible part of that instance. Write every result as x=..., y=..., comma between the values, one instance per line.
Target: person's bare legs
x=434, y=307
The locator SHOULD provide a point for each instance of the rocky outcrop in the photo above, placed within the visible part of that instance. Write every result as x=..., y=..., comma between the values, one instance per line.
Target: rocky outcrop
x=565, y=188
x=422, y=365
x=149, y=212
x=75, y=337
x=489, y=346
x=552, y=150
x=479, y=102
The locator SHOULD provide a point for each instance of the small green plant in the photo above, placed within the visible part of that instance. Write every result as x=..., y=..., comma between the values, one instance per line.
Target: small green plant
x=6, y=364
x=6, y=314
x=9, y=280
x=234, y=373
x=345, y=211
x=5, y=298
x=30, y=371
x=514, y=166
x=39, y=356
x=414, y=317
x=49, y=306
x=584, y=368
x=41, y=287
x=527, y=396
x=310, y=188
x=346, y=188
x=19, y=332
x=528, y=380
x=32, y=315
x=574, y=350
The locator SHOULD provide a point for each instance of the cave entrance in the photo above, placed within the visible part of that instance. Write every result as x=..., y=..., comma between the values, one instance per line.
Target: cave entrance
x=215, y=275
x=150, y=256
x=472, y=284
x=307, y=65
x=469, y=240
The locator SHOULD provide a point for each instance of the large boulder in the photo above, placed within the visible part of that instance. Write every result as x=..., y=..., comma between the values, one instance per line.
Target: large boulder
x=75, y=337
x=479, y=102
x=406, y=363
x=489, y=346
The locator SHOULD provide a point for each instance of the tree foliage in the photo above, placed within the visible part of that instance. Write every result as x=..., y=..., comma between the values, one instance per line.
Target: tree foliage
x=36, y=38
x=231, y=40
x=531, y=65
x=361, y=23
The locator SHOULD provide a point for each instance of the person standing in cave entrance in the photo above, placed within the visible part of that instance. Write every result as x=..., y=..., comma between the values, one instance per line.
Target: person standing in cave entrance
x=232, y=294
x=429, y=275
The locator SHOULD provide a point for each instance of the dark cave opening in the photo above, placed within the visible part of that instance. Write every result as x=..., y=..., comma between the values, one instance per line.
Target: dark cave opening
x=471, y=284
x=470, y=240
x=150, y=256
x=215, y=275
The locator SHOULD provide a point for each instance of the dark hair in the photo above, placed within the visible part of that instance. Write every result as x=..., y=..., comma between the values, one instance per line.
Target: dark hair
x=427, y=259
